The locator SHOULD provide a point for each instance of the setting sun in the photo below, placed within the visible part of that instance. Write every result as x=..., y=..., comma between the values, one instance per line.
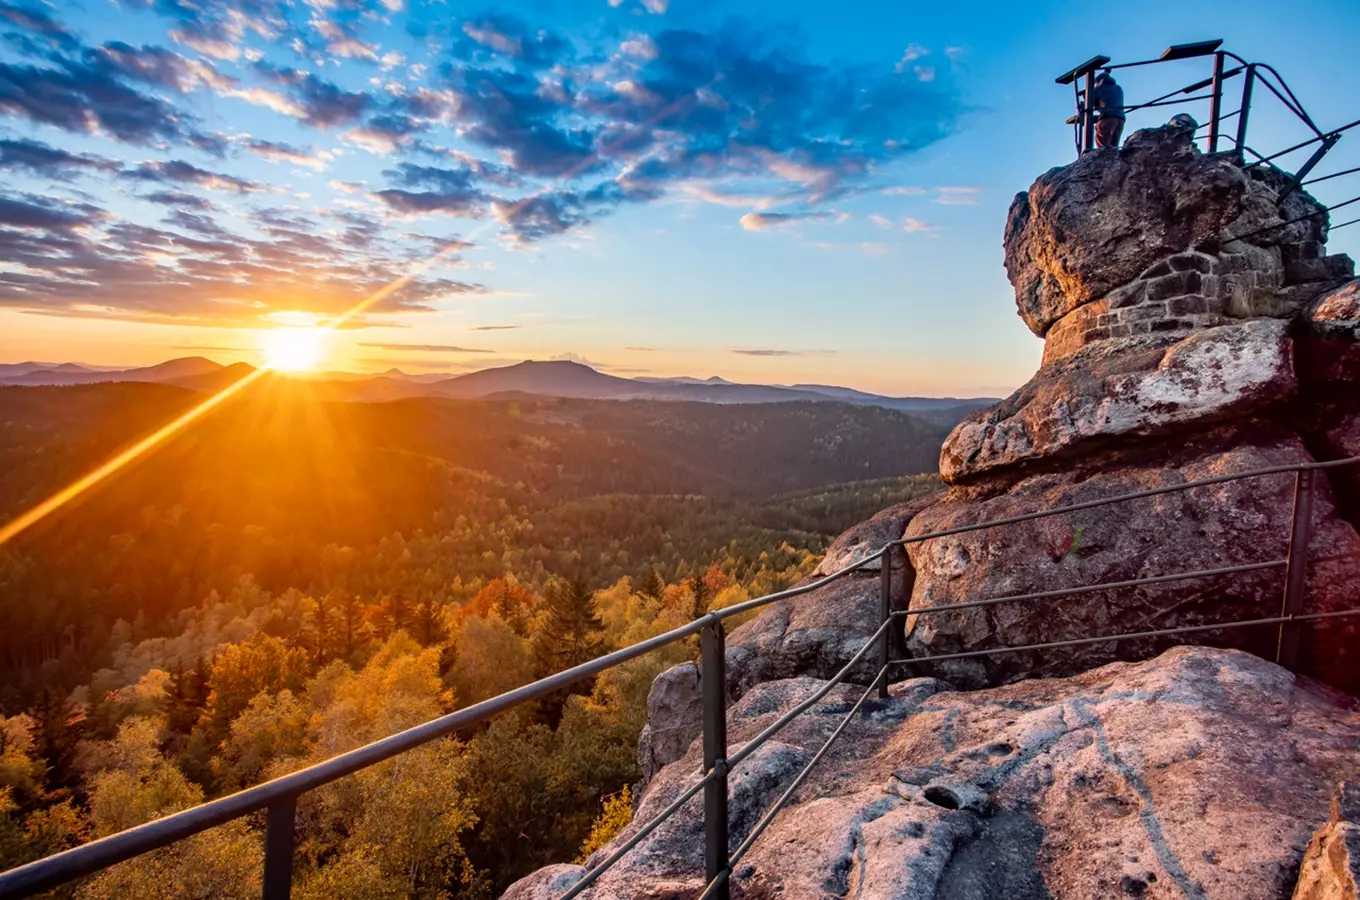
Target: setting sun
x=292, y=349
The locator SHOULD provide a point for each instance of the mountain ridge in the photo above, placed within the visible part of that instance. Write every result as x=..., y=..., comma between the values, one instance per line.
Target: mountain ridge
x=541, y=378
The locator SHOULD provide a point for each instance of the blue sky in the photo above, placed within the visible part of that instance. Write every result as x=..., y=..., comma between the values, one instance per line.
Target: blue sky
x=770, y=192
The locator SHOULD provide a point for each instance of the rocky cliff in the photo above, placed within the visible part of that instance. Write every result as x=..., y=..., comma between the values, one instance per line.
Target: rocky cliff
x=1193, y=327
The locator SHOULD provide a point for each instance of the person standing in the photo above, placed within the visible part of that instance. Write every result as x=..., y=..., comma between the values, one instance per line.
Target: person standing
x=1107, y=99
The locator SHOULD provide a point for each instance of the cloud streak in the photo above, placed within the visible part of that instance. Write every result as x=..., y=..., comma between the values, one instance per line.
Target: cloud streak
x=425, y=348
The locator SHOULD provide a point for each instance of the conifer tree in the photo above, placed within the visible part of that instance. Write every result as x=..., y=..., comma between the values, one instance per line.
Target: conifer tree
x=56, y=731
x=569, y=633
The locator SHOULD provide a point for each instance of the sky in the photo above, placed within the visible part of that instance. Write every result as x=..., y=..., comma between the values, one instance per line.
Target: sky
x=773, y=193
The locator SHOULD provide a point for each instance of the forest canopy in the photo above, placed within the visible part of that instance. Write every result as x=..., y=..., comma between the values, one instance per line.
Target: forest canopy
x=291, y=579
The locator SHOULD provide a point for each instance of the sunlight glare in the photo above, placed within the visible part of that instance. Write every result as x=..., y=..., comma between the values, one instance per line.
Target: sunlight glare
x=292, y=349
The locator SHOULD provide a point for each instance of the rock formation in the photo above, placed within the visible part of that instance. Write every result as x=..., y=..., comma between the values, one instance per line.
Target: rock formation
x=1193, y=327
x=1201, y=773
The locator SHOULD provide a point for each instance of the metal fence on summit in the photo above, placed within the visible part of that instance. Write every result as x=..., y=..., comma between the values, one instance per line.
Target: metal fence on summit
x=1228, y=96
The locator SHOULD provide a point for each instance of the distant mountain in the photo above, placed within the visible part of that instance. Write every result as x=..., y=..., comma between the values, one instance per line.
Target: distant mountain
x=682, y=379
x=553, y=378
x=210, y=381
x=557, y=378
x=14, y=370
x=72, y=373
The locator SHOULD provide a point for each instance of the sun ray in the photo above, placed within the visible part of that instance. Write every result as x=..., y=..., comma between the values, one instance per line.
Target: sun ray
x=53, y=503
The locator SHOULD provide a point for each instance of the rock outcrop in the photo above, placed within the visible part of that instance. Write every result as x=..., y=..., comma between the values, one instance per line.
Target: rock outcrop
x=1201, y=773
x=1194, y=327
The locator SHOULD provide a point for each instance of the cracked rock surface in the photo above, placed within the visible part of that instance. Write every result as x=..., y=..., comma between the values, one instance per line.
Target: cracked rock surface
x=1200, y=773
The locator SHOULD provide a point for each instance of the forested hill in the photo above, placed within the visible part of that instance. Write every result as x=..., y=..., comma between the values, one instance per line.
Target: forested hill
x=288, y=578
x=273, y=483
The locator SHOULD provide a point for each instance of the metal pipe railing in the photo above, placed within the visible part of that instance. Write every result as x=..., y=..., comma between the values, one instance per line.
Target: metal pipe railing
x=279, y=796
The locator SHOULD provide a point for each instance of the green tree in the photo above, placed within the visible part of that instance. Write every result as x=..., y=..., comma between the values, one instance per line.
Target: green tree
x=56, y=730
x=489, y=659
x=568, y=632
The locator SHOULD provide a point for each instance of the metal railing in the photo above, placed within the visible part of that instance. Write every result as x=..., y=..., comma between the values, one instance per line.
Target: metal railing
x=1082, y=78
x=278, y=798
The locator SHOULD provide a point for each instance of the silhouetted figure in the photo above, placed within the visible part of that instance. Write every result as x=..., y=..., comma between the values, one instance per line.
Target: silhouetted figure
x=1107, y=99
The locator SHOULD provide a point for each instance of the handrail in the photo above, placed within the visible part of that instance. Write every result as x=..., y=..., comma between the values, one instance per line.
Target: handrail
x=281, y=793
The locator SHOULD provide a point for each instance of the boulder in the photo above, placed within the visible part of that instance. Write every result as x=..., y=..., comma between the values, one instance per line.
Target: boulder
x=1126, y=388
x=861, y=542
x=1201, y=773
x=675, y=717
x=1329, y=351
x=548, y=883
x=1331, y=865
x=813, y=634
x=1087, y=228
x=1229, y=524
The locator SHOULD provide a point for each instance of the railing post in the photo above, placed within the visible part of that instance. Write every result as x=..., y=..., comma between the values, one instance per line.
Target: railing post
x=713, y=681
x=884, y=613
x=1088, y=120
x=278, y=850
x=1216, y=102
x=1248, y=82
x=1296, y=573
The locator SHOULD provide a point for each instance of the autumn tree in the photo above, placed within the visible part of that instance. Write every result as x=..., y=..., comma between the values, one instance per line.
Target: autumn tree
x=508, y=599
x=244, y=670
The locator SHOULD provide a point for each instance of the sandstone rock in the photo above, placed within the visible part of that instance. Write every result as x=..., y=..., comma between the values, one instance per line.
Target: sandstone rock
x=813, y=634
x=675, y=711
x=1221, y=525
x=1087, y=228
x=1331, y=865
x=1329, y=351
x=1263, y=217
x=863, y=540
x=1200, y=773
x=1133, y=387
x=546, y=884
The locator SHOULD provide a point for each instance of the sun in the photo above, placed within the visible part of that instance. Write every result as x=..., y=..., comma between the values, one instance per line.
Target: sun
x=292, y=349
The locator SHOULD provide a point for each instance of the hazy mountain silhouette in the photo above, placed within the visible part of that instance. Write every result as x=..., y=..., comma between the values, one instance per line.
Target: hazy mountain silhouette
x=553, y=378
x=73, y=373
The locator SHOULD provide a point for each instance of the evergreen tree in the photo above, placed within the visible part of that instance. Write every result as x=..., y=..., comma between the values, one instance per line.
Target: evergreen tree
x=699, y=593
x=654, y=585
x=56, y=731
x=185, y=695
x=429, y=623
x=569, y=633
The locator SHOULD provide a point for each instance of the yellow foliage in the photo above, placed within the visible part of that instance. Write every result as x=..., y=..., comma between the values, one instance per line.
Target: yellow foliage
x=614, y=817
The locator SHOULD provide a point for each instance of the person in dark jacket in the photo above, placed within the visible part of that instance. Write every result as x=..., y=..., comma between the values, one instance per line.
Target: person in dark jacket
x=1107, y=99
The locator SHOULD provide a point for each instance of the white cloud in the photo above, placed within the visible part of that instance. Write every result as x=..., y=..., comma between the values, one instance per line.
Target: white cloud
x=759, y=221
x=641, y=46
x=958, y=196
x=224, y=50
x=916, y=226
x=910, y=55
x=881, y=221
x=903, y=191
